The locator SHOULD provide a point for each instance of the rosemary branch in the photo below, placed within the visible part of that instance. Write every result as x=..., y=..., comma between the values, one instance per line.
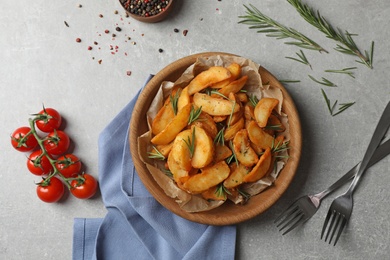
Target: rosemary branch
x=348, y=45
x=346, y=71
x=302, y=59
x=331, y=108
x=323, y=81
x=264, y=24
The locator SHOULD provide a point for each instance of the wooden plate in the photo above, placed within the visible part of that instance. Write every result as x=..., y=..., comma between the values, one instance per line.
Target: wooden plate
x=228, y=213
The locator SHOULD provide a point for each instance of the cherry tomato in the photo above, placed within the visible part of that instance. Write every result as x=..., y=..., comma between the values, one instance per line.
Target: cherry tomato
x=85, y=187
x=68, y=165
x=56, y=143
x=51, y=190
x=49, y=119
x=39, y=164
x=23, y=140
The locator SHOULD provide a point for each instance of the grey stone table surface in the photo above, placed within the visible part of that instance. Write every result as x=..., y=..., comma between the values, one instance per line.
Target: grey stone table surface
x=41, y=63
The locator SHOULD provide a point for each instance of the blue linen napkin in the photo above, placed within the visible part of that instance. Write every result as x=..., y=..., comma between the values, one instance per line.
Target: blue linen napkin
x=136, y=225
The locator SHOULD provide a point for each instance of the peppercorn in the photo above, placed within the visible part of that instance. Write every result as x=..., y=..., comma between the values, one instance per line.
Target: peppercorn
x=118, y=29
x=78, y=40
x=176, y=30
x=160, y=50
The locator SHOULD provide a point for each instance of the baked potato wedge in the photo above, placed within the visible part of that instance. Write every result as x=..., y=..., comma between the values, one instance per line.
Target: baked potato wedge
x=264, y=109
x=207, y=78
x=261, y=168
x=203, y=148
x=215, y=106
x=210, y=176
x=258, y=136
x=174, y=127
x=243, y=150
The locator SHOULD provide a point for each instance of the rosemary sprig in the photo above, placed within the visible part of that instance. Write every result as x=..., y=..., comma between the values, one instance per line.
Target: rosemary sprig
x=273, y=127
x=323, y=81
x=302, y=59
x=231, y=114
x=168, y=173
x=253, y=99
x=289, y=81
x=233, y=156
x=190, y=142
x=264, y=24
x=331, y=108
x=194, y=114
x=346, y=71
x=244, y=194
x=210, y=91
x=156, y=154
x=174, y=100
x=347, y=44
x=221, y=191
x=280, y=147
x=219, y=138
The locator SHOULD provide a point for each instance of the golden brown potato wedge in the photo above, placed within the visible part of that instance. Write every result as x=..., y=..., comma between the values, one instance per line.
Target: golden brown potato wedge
x=243, y=150
x=221, y=152
x=165, y=149
x=204, y=148
x=207, y=123
x=163, y=118
x=258, y=136
x=209, y=177
x=174, y=127
x=183, y=99
x=235, y=71
x=207, y=78
x=179, y=174
x=264, y=109
x=215, y=106
x=234, y=86
x=242, y=97
x=231, y=131
x=249, y=112
x=236, y=176
x=219, y=119
x=275, y=124
x=261, y=168
x=180, y=150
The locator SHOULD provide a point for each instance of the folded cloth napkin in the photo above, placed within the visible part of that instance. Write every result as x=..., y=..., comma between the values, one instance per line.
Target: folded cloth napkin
x=136, y=225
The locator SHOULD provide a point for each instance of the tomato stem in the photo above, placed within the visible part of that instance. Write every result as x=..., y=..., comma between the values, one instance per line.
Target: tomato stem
x=45, y=153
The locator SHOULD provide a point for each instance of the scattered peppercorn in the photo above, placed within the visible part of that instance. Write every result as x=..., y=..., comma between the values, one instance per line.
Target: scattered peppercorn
x=89, y=48
x=67, y=25
x=185, y=32
x=80, y=6
x=100, y=15
x=118, y=29
x=128, y=73
x=113, y=35
x=107, y=31
x=160, y=50
x=95, y=43
x=176, y=30
x=78, y=40
x=116, y=12
x=100, y=61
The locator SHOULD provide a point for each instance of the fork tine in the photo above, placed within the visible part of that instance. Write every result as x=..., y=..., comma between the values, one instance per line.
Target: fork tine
x=287, y=217
x=326, y=223
x=292, y=220
x=297, y=223
x=286, y=213
x=337, y=217
x=343, y=224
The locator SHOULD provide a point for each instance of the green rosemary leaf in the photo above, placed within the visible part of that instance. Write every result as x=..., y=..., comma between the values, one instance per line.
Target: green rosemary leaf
x=221, y=191
x=219, y=138
x=174, y=99
x=347, y=44
x=244, y=194
x=190, y=142
x=194, y=114
x=253, y=100
x=346, y=71
x=233, y=156
x=323, y=81
x=289, y=81
x=302, y=59
x=231, y=114
x=271, y=28
x=156, y=154
x=331, y=108
x=167, y=173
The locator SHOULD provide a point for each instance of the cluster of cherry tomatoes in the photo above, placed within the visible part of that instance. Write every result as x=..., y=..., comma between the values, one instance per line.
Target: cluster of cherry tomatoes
x=49, y=158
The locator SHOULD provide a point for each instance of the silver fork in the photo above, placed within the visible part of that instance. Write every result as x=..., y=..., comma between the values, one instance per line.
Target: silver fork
x=306, y=206
x=341, y=208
